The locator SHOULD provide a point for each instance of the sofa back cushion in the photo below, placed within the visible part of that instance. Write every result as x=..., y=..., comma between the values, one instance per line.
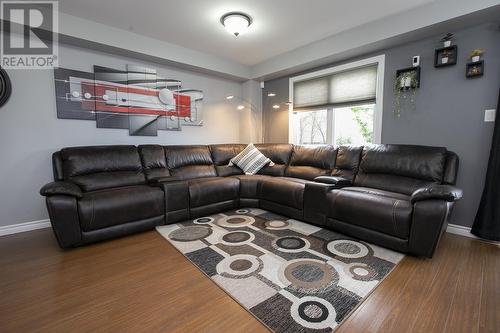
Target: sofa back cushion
x=154, y=161
x=279, y=154
x=188, y=162
x=311, y=162
x=221, y=154
x=347, y=162
x=99, y=167
x=401, y=168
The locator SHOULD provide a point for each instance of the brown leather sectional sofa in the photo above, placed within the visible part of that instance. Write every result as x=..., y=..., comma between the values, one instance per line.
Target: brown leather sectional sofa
x=397, y=196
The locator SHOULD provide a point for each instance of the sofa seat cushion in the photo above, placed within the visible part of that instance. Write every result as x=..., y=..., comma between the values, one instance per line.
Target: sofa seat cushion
x=383, y=211
x=105, y=208
x=204, y=191
x=249, y=185
x=287, y=191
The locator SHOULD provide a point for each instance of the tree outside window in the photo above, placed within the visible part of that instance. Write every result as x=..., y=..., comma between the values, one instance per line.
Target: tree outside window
x=349, y=125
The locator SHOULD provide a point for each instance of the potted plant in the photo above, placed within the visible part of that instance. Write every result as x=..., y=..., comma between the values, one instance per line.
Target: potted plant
x=446, y=40
x=476, y=54
x=405, y=90
x=406, y=80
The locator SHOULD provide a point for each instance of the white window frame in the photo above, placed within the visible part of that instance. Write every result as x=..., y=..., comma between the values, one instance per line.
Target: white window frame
x=379, y=92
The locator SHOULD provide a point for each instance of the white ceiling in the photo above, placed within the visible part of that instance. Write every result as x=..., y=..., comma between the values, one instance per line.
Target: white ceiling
x=279, y=25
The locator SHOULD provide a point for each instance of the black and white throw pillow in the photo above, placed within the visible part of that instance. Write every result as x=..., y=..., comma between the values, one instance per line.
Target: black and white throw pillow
x=250, y=160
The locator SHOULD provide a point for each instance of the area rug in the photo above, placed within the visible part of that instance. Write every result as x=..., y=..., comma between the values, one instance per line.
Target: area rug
x=292, y=276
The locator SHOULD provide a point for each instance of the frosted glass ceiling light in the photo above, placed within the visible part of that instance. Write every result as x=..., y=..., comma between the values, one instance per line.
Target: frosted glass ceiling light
x=236, y=23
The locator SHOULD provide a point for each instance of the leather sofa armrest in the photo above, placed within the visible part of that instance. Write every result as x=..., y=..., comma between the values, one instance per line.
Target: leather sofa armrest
x=315, y=204
x=63, y=213
x=176, y=193
x=163, y=180
x=429, y=221
x=339, y=182
x=61, y=188
x=437, y=192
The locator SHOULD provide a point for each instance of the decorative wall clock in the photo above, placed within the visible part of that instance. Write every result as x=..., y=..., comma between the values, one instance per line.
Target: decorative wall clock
x=5, y=87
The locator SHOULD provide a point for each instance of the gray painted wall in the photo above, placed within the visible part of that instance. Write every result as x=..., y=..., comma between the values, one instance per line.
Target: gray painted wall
x=275, y=121
x=449, y=108
x=30, y=130
x=251, y=116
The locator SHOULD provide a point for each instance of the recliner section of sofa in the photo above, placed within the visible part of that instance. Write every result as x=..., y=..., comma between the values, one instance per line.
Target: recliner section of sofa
x=380, y=206
x=398, y=196
x=191, y=171
x=112, y=199
x=285, y=194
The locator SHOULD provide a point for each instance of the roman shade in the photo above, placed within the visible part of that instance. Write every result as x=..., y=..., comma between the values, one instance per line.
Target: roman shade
x=343, y=88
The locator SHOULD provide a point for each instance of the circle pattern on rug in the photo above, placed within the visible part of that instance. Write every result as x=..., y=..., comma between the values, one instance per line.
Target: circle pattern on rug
x=276, y=224
x=291, y=244
x=361, y=272
x=308, y=275
x=237, y=238
x=313, y=312
x=239, y=266
x=242, y=211
x=203, y=220
x=190, y=233
x=347, y=248
x=235, y=221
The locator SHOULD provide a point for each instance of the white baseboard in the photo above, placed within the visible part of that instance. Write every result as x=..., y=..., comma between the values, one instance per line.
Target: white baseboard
x=465, y=231
x=23, y=227
x=460, y=230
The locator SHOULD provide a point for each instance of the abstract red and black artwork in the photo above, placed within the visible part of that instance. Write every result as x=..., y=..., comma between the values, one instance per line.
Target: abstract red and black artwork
x=136, y=99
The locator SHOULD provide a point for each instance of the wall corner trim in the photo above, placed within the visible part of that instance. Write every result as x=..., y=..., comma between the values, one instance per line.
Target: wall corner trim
x=23, y=227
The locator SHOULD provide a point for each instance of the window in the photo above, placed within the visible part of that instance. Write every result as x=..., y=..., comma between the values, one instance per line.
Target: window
x=340, y=105
x=353, y=125
x=312, y=127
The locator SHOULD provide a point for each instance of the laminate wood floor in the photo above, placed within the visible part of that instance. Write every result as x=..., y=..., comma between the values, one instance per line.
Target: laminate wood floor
x=142, y=284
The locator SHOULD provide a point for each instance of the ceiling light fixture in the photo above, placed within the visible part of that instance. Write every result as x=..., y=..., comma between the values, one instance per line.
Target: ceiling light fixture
x=276, y=106
x=271, y=94
x=230, y=97
x=240, y=107
x=236, y=23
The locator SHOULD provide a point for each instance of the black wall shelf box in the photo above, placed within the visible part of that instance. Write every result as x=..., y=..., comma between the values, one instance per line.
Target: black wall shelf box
x=408, y=70
x=449, y=52
x=474, y=69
